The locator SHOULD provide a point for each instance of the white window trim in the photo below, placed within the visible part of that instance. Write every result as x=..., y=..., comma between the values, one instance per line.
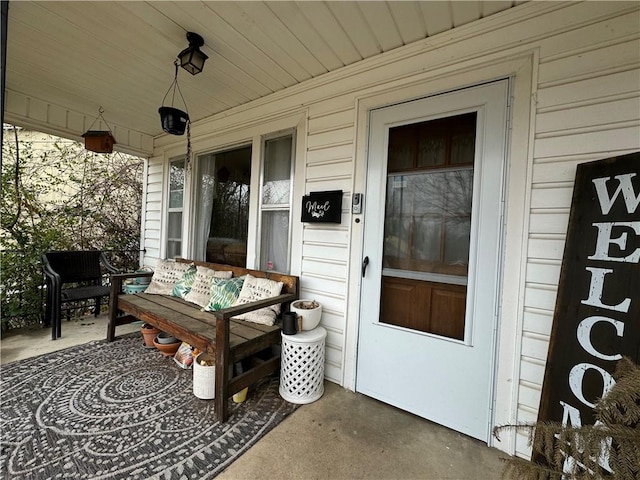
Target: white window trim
x=243, y=135
x=167, y=202
x=281, y=207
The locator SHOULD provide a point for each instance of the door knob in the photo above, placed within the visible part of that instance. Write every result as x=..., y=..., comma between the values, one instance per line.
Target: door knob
x=365, y=263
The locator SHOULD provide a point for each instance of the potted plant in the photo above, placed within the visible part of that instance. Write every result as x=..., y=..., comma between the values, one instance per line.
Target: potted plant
x=309, y=313
x=166, y=343
x=149, y=333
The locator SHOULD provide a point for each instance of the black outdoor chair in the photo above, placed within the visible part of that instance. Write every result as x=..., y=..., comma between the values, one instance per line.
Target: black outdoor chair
x=72, y=276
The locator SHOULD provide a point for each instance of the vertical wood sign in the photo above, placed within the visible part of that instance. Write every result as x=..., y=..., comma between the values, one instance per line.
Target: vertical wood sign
x=597, y=314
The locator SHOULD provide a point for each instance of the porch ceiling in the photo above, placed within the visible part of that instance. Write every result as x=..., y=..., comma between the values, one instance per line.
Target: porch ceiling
x=119, y=55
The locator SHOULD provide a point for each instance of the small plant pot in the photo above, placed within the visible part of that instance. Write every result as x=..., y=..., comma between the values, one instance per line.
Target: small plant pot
x=167, y=349
x=149, y=332
x=143, y=280
x=166, y=338
x=309, y=313
x=131, y=288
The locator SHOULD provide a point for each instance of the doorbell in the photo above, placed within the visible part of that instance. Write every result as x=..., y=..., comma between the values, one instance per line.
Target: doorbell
x=356, y=203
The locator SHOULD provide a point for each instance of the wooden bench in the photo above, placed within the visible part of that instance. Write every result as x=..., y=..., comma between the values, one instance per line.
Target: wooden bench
x=73, y=276
x=217, y=333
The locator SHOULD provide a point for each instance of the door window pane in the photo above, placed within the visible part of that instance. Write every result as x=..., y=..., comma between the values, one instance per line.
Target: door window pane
x=428, y=221
x=432, y=144
x=427, y=225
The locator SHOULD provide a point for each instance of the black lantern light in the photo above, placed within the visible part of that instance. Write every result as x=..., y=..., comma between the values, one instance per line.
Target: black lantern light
x=192, y=58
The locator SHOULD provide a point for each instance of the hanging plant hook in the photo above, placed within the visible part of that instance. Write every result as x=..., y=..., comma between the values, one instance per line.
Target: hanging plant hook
x=174, y=120
x=175, y=87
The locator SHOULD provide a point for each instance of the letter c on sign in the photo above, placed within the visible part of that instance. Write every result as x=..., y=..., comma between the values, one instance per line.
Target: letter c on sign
x=576, y=377
x=584, y=335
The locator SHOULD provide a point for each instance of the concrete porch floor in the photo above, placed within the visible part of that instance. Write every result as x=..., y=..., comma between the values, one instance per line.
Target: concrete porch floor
x=344, y=435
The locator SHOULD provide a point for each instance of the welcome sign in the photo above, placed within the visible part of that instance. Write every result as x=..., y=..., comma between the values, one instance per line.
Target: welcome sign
x=597, y=315
x=322, y=207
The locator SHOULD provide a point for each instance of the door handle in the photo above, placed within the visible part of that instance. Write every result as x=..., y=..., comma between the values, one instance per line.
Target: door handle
x=365, y=263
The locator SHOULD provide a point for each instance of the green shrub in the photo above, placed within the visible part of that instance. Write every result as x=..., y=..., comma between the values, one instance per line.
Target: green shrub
x=58, y=196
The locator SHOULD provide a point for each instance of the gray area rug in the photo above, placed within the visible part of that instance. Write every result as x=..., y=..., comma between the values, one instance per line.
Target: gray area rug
x=119, y=410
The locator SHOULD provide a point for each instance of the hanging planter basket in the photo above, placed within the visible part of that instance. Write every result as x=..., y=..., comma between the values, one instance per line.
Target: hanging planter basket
x=99, y=141
x=174, y=121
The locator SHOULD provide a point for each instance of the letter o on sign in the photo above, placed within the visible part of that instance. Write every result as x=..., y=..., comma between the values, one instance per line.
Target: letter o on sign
x=576, y=377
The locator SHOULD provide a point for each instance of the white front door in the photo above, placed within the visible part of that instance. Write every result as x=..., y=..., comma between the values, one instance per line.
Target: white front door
x=433, y=234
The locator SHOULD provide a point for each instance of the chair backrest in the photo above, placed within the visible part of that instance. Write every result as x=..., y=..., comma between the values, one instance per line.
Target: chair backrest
x=75, y=266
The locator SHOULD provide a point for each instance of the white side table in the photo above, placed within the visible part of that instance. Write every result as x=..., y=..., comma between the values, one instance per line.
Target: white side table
x=302, y=367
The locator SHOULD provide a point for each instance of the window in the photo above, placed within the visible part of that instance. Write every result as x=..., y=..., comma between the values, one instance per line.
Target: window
x=427, y=228
x=226, y=199
x=275, y=204
x=176, y=204
x=222, y=206
x=429, y=191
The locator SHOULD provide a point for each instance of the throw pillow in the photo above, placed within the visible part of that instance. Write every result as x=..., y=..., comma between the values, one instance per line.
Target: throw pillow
x=165, y=276
x=183, y=286
x=201, y=289
x=258, y=289
x=224, y=293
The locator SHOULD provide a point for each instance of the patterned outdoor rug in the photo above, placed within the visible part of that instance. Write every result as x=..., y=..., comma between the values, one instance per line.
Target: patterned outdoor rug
x=118, y=410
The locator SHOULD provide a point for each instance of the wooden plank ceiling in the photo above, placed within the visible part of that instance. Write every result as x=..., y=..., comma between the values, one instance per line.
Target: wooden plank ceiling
x=119, y=55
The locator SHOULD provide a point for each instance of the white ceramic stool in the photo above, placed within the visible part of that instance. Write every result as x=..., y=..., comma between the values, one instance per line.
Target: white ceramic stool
x=302, y=366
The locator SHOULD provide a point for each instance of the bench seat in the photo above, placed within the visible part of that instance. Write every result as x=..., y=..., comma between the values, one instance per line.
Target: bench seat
x=227, y=339
x=179, y=318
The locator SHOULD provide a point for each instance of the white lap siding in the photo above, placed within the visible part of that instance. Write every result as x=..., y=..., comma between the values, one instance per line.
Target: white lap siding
x=585, y=105
x=325, y=247
x=587, y=108
x=154, y=216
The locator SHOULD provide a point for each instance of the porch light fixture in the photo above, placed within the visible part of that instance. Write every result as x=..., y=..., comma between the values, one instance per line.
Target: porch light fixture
x=192, y=58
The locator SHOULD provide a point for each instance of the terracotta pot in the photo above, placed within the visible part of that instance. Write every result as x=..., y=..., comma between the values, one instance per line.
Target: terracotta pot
x=149, y=334
x=165, y=338
x=167, y=349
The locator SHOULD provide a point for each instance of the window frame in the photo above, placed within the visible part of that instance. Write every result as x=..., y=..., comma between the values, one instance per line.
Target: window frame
x=280, y=207
x=181, y=210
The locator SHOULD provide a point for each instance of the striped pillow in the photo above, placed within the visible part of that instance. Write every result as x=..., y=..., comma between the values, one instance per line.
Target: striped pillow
x=165, y=276
x=201, y=289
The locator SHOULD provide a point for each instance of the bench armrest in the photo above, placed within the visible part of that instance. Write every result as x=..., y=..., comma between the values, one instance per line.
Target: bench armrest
x=116, y=280
x=229, y=312
x=124, y=276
